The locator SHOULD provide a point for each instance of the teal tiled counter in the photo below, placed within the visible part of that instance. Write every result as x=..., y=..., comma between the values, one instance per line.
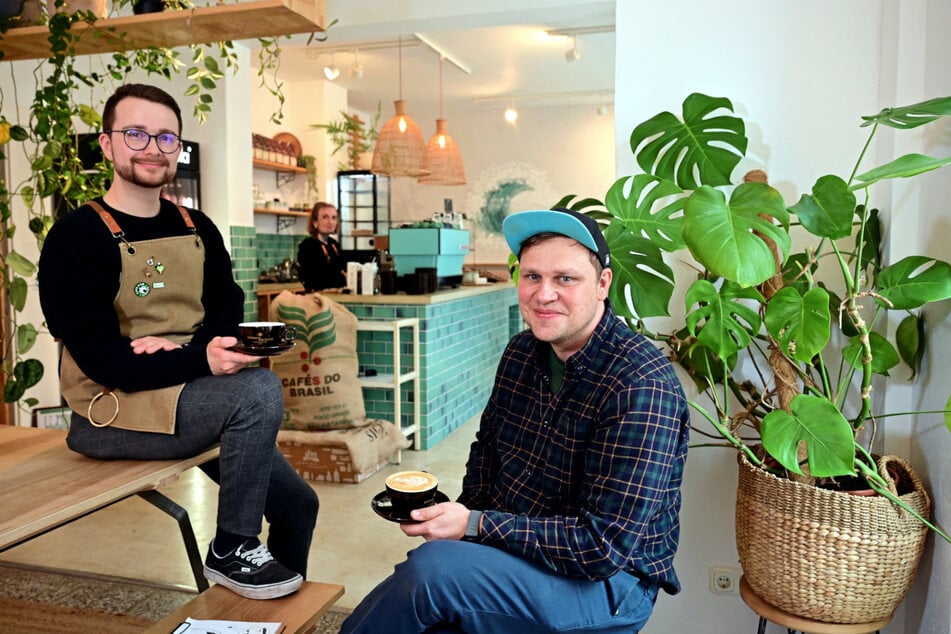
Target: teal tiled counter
x=462, y=333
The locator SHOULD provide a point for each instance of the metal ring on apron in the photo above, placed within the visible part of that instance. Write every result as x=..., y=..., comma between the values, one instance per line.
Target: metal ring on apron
x=94, y=400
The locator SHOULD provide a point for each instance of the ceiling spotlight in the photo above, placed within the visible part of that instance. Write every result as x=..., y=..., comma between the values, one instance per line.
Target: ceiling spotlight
x=573, y=54
x=331, y=72
x=511, y=115
x=356, y=68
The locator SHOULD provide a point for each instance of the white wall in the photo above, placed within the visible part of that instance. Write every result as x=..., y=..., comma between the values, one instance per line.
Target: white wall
x=801, y=73
x=306, y=103
x=928, y=75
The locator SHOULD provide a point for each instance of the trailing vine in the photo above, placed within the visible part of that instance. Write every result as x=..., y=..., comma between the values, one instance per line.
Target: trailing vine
x=269, y=62
x=51, y=141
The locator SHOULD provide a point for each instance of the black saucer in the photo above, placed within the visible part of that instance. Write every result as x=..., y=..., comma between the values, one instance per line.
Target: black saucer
x=383, y=507
x=264, y=351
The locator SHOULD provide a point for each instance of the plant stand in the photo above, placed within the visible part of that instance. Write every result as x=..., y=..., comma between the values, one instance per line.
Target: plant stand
x=794, y=623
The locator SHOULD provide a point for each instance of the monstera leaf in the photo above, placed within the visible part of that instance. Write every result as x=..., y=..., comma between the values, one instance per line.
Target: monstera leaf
x=902, y=167
x=639, y=272
x=728, y=238
x=884, y=355
x=631, y=202
x=719, y=320
x=910, y=339
x=703, y=148
x=908, y=117
x=914, y=281
x=828, y=211
x=819, y=424
x=800, y=323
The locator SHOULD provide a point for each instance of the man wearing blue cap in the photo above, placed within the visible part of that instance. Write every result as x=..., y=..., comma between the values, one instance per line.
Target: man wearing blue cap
x=568, y=517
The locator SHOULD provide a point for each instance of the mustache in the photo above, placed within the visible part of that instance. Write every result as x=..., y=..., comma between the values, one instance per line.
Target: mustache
x=152, y=161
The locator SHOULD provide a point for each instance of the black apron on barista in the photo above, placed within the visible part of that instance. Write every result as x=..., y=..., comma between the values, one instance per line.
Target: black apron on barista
x=159, y=295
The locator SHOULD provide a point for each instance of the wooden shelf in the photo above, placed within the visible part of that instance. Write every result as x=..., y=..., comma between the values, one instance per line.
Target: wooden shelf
x=278, y=167
x=168, y=29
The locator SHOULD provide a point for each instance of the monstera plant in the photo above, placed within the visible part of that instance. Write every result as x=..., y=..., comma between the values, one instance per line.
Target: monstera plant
x=783, y=341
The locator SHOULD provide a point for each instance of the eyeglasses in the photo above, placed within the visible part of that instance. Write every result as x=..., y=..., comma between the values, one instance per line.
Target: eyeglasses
x=138, y=140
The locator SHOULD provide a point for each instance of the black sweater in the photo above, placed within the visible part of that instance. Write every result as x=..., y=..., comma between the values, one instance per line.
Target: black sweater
x=79, y=278
x=320, y=266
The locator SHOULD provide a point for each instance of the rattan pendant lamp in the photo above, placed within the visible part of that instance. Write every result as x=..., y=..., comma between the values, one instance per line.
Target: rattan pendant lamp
x=442, y=154
x=400, y=148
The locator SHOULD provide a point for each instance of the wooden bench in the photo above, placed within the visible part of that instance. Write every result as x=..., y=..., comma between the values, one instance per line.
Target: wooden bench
x=298, y=612
x=44, y=485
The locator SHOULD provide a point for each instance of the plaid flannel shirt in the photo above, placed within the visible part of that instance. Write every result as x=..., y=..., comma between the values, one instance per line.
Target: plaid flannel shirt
x=585, y=482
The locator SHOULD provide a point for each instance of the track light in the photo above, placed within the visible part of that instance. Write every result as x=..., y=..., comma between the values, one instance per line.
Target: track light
x=573, y=54
x=511, y=115
x=356, y=68
x=601, y=110
x=331, y=72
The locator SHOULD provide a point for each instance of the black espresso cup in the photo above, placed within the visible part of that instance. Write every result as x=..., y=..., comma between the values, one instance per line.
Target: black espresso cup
x=265, y=334
x=410, y=490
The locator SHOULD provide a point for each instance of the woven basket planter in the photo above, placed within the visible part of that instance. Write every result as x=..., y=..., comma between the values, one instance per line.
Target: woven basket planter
x=827, y=555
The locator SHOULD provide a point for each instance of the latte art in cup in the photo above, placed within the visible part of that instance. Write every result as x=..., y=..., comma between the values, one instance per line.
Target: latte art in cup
x=411, y=481
x=410, y=490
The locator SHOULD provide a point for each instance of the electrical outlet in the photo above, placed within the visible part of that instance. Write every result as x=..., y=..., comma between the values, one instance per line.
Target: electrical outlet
x=724, y=580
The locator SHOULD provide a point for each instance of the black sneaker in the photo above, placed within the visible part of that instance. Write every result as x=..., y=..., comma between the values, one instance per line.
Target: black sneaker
x=252, y=572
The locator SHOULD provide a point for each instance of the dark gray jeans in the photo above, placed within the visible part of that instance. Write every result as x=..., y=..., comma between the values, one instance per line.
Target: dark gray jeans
x=243, y=413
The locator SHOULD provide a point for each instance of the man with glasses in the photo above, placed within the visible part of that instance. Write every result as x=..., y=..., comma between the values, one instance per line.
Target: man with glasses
x=141, y=293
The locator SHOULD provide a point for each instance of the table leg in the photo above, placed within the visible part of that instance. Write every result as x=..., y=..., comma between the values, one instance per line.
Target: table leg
x=158, y=500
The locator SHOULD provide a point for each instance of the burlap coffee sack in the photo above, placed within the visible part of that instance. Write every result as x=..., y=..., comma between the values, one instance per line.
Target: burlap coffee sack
x=319, y=374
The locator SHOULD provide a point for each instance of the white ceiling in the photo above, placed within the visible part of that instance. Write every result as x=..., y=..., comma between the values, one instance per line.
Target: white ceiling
x=506, y=50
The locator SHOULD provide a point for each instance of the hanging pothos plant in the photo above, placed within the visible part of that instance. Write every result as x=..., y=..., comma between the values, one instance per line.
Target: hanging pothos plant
x=50, y=142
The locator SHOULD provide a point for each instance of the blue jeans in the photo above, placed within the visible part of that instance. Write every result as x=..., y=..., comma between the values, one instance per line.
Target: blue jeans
x=243, y=413
x=450, y=586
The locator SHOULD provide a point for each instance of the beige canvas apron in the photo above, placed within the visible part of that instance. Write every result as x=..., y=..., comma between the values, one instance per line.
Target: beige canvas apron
x=159, y=295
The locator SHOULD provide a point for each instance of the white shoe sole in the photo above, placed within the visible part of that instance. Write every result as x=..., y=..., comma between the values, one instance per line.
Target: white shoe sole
x=272, y=591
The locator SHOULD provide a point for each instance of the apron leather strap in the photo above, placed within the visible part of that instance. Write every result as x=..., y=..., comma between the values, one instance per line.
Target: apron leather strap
x=119, y=234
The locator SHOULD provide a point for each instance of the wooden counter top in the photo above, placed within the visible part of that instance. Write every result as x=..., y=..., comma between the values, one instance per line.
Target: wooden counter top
x=273, y=288
x=447, y=295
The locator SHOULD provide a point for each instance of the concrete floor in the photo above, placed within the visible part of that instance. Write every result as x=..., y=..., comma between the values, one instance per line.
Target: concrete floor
x=352, y=546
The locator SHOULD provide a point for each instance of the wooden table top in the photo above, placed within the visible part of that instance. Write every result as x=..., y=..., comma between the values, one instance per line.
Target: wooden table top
x=44, y=485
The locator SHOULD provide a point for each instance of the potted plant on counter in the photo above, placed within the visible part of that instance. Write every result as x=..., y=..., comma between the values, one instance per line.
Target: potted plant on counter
x=780, y=331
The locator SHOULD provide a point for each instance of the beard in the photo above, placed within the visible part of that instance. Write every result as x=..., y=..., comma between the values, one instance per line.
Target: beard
x=142, y=178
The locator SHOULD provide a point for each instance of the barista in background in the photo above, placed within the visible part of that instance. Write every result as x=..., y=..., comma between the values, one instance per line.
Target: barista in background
x=320, y=264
